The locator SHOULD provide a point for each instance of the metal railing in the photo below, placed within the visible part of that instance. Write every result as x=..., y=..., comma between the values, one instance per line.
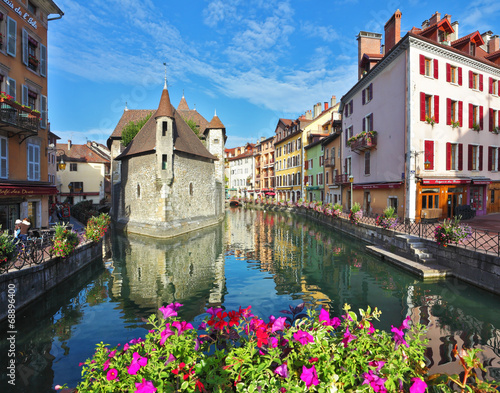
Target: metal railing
x=18, y=118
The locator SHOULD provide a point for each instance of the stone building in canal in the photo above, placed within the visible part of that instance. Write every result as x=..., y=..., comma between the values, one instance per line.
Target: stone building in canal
x=168, y=181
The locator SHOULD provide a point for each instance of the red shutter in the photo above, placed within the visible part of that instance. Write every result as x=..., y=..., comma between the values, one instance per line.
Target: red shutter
x=460, y=112
x=422, y=106
x=490, y=84
x=363, y=96
x=490, y=158
x=460, y=156
x=471, y=116
x=306, y=165
x=448, y=156
x=422, y=65
x=471, y=76
x=460, y=76
x=429, y=153
x=492, y=114
x=480, y=157
x=481, y=118
x=436, y=109
x=436, y=69
x=371, y=122
x=448, y=72
x=448, y=111
x=498, y=155
x=481, y=82
x=469, y=158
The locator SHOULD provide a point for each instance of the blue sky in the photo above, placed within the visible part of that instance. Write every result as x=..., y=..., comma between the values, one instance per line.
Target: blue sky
x=253, y=61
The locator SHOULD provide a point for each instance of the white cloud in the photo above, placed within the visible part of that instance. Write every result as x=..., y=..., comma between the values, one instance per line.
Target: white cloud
x=81, y=137
x=325, y=33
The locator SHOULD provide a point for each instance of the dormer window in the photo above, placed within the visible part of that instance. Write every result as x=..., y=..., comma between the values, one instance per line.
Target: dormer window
x=472, y=49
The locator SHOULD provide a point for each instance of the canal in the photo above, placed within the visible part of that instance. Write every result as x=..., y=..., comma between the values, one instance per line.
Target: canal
x=264, y=259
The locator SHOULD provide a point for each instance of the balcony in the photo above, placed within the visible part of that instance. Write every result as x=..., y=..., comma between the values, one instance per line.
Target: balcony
x=366, y=142
x=16, y=119
x=341, y=179
x=330, y=162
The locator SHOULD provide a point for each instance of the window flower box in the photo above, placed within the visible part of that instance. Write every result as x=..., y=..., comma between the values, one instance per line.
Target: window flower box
x=33, y=61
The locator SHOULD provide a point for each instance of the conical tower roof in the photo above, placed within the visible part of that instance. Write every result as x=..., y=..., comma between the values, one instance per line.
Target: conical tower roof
x=183, y=105
x=165, y=108
x=215, y=123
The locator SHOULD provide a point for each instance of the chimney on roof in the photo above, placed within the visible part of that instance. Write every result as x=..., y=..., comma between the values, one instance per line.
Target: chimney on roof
x=454, y=36
x=326, y=106
x=392, y=31
x=89, y=143
x=368, y=43
x=447, y=16
x=494, y=44
x=435, y=18
x=317, y=110
x=333, y=101
x=425, y=24
x=69, y=144
x=486, y=36
x=309, y=115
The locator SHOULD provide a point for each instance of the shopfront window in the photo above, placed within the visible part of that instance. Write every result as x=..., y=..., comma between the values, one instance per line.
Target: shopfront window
x=476, y=197
x=430, y=198
x=32, y=214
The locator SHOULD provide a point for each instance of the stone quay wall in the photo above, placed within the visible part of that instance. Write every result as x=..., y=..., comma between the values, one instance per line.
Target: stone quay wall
x=481, y=269
x=30, y=283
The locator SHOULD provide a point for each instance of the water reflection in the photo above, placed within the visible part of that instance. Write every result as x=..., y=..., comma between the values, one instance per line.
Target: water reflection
x=266, y=260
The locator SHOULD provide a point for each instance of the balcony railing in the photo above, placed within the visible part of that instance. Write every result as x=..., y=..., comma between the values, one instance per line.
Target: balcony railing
x=330, y=162
x=17, y=119
x=366, y=142
x=341, y=179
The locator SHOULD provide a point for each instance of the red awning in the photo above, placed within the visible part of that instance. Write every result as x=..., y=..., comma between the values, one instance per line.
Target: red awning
x=11, y=190
x=445, y=181
x=371, y=186
x=481, y=182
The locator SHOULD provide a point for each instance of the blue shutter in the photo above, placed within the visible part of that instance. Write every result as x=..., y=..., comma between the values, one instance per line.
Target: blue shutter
x=43, y=112
x=24, y=99
x=25, y=47
x=43, y=60
x=11, y=36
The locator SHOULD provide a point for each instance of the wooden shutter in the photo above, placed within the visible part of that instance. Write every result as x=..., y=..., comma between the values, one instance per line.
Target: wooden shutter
x=371, y=122
x=364, y=124
x=481, y=82
x=490, y=85
x=422, y=106
x=306, y=165
x=363, y=98
x=43, y=117
x=491, y=119
x=24, y=95
x=448, y=111
x=436, y=109
x=460, y=76
x=460, y=112
x=448, y=72
x=43, y=60
x=25, y=47
x=471, y=77
x=436, y=69
x=469, y=158
x=480, y=157
x=11, y=36
x=422, y=65
x=481, y=123
x=471, y=116
x=498, y=157
x=429, y=153
x=448, y=156
x=370, y=91
x=490, y=158
x=460, y=156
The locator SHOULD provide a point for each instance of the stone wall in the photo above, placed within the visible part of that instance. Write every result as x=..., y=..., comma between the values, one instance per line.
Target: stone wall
x=30, y=283
x=477, y=268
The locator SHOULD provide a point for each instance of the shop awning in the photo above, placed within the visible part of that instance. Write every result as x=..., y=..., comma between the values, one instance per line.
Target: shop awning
x=20, y=190
x=374, y=186
x=480, y=182
x=445, y=181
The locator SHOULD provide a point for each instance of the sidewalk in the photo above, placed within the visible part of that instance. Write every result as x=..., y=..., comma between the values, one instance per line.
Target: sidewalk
x=489, y=222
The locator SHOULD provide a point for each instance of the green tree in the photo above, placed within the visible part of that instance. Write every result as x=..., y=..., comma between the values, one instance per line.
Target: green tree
x=132, y=128
x=192, y=124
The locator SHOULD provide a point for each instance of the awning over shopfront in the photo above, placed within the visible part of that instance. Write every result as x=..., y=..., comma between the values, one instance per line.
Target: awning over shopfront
x=446, y=181
x=11, y=190
x=375, y=186
x=480, y=182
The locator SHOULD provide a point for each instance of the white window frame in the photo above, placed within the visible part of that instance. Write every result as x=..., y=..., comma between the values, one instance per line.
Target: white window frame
x=33, y=163
x=366, y=121
x=4, y=158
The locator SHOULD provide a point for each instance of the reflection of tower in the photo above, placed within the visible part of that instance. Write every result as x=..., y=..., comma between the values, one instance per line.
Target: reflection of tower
x=217, y=291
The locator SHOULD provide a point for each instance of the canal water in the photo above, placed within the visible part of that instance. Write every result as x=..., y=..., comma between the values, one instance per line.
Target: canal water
x=264, y=259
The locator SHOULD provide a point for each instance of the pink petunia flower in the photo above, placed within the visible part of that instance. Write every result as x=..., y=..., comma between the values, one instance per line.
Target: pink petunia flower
x=303, y=337
x=168, y=311
x=399, y=337
x=112, y=374
x=348, y=337
x=282, y=370
x=418, y=386
x=137, y=362
x=165, y=333
x=278, y=324
x=376, y=382
x=145, y=387
x=309, y=376
x=181, y=326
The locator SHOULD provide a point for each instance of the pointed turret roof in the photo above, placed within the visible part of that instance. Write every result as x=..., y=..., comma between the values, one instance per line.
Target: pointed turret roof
x=183, y=105
x=215, y=123
x=165, y=108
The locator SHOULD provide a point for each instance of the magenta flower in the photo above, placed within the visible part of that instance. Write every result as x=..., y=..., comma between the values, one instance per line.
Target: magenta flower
x=213, y=311
x=145, y=387
x=272, y=342
x=125, y=347
x=278, y=324
x=137, y=362
x=105, y=366
x=168, y=311
x=309, y=376
x=112, y=374
x=399, y=337
x=112, y=354
x=324, y=317
x=166, y=333
x=171, y=358
x=374, y=381
x=405, y=324
x=378, y=364
x=303, y=337
x=418, y=386
x=348, y=337
x=181, y=326
x=175, y=306
x=282, y=370
x=371, y=329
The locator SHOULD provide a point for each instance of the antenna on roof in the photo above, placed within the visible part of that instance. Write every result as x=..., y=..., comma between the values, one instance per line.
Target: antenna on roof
x=165, y=87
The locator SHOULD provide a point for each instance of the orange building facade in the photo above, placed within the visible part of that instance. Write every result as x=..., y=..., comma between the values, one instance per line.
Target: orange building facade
x=25, y=189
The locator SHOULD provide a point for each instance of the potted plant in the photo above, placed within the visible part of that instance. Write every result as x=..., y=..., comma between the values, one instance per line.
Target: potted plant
x=356, y=213
x=451, y=231
x=430, y=120
x=455, y=124
x=8, y=251
x=65, y=241
x=388, y=219
x=476, y=127
x=496, y=130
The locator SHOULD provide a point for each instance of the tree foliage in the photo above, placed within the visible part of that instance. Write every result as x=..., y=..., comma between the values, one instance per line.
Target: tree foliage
x=192, y=124
x=132, y=128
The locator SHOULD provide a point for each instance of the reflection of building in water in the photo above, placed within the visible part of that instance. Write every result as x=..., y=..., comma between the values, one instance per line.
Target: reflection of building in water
x=188, y=269
x=240, y=233
x=448, y=326
x=263, y=241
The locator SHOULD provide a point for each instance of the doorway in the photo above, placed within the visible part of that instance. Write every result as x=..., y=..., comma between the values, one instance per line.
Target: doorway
x=455, y=199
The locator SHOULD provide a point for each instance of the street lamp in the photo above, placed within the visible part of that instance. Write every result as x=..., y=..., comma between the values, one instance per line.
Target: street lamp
x=351, y=180
x=59, y=153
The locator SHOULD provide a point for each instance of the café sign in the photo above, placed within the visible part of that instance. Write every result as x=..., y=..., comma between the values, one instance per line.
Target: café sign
x=27, y=191
x=27, y=18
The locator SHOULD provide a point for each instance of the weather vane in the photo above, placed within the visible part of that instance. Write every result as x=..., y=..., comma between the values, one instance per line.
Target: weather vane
x=165, y=64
